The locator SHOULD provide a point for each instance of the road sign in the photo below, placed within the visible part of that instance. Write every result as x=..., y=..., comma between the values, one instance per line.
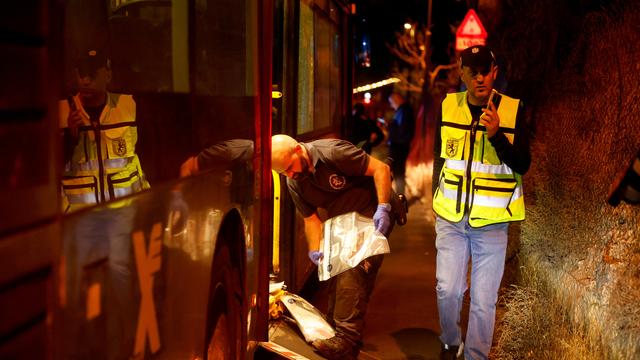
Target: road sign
x=471, y=32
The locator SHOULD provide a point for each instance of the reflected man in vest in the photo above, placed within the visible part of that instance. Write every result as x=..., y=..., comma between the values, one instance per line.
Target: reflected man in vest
x=99, y=130
x=99, y=138
x=481, y=153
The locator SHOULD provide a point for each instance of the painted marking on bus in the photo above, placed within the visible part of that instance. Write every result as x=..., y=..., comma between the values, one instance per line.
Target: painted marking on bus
x=147, y=264
x=93, y=301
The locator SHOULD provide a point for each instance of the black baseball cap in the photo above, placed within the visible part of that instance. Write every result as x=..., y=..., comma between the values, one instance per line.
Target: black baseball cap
x=91, y=60
x=478, y=56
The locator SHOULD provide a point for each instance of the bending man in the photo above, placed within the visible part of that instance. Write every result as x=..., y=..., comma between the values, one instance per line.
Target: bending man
x=337, y=176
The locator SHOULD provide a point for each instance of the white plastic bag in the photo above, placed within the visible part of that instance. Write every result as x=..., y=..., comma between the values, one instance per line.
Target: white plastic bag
x=311, y=322
x=347, y=240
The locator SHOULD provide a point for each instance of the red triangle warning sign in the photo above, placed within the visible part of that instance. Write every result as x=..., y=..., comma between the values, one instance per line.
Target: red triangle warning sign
x=470, y=32
x=471, y=25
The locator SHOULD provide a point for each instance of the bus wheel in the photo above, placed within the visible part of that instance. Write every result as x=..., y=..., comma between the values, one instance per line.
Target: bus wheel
x=219, y=344
x=224, y=328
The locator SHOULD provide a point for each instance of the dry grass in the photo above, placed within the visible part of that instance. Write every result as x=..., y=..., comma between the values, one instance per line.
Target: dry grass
x=535, y=325
x=580, y=80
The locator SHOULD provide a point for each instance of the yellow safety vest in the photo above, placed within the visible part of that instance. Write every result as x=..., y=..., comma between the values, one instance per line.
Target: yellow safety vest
x=104, y=165
x=493, y=191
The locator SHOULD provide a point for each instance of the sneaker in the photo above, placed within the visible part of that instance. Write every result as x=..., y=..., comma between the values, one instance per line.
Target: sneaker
x=451, y=352
x=336, y=348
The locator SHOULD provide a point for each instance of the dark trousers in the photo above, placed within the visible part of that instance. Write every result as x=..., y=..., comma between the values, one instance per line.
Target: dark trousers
x=399, y=154
x=349, y=294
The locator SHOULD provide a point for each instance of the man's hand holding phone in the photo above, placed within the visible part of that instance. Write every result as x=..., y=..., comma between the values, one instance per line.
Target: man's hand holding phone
x=75, y=118
x=490, y=119
x=74, y=121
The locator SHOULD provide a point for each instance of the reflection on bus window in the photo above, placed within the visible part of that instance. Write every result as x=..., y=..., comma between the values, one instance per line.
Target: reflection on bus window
x=229, y=164
x=99, y=137
x=231, y=158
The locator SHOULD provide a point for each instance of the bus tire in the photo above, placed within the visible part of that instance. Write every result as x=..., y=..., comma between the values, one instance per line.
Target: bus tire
x=226, y=333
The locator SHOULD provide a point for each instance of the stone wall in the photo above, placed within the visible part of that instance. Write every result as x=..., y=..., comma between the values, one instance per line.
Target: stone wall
x=576, y=66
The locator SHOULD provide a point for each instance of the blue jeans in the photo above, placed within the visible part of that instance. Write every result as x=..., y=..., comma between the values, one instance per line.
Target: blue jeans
x=101, y=236
x=487, y=246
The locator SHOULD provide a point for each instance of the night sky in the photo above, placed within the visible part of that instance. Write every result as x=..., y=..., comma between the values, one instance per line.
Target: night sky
x=380, y=19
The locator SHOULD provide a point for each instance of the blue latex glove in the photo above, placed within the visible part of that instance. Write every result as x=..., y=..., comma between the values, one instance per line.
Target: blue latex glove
x=382, y=218
x=315, y=256
x=179, y=211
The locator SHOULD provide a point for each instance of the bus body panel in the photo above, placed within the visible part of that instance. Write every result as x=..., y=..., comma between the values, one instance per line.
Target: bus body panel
x=151, y=294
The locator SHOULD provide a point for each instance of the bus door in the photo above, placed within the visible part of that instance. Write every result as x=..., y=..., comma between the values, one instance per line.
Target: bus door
x=312, y=69
x=312, y=72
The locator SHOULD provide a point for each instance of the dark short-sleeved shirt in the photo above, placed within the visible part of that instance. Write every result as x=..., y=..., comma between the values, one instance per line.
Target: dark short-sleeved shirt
x=338, y=183
x=226, y=154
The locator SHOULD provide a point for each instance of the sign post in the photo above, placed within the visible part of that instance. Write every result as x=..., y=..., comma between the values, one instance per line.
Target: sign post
x=471, y=32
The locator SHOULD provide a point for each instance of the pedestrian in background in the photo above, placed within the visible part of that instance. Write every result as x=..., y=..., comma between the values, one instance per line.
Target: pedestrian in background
x=366, y=133
x=401, y=131
x=481, y=153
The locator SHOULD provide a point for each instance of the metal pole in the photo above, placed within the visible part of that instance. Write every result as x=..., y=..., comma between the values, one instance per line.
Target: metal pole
x=429, y=18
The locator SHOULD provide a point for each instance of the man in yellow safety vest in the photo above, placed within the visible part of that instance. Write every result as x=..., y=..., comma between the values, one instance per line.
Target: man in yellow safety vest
x=481, y=153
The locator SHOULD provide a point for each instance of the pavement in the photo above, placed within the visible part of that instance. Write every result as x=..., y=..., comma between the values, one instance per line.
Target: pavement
x=402, y=318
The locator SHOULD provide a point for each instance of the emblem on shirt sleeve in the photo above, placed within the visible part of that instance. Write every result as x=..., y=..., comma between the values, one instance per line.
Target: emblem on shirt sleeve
x=451, y=147
x=337, y=181
x=119, y=146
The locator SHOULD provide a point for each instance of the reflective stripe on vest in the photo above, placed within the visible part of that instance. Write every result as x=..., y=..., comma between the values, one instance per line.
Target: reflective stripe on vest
x=84, y=189
x=93, y=165
x=495, y=192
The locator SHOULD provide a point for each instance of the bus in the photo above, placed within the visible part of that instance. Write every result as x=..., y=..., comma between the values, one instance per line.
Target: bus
x=180, y=269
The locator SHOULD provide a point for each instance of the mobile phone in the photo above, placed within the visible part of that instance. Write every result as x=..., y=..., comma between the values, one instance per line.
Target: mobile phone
x=72, y=103
x=495, y=98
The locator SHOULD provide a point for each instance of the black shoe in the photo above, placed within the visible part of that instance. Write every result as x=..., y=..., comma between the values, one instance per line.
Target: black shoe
x=450, y=352
x=337, y=348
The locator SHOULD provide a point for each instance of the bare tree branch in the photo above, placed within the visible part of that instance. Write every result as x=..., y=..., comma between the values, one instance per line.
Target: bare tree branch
x=433, y=74
x=406, y=84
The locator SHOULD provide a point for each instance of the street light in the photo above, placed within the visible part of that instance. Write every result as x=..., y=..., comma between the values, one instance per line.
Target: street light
x=409, y=27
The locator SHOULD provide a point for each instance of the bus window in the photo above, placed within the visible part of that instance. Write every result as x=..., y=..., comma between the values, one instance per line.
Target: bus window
x=319, y=63
x=148, y=46
x=306, y=76
x=328, y=57
x=224, y=54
